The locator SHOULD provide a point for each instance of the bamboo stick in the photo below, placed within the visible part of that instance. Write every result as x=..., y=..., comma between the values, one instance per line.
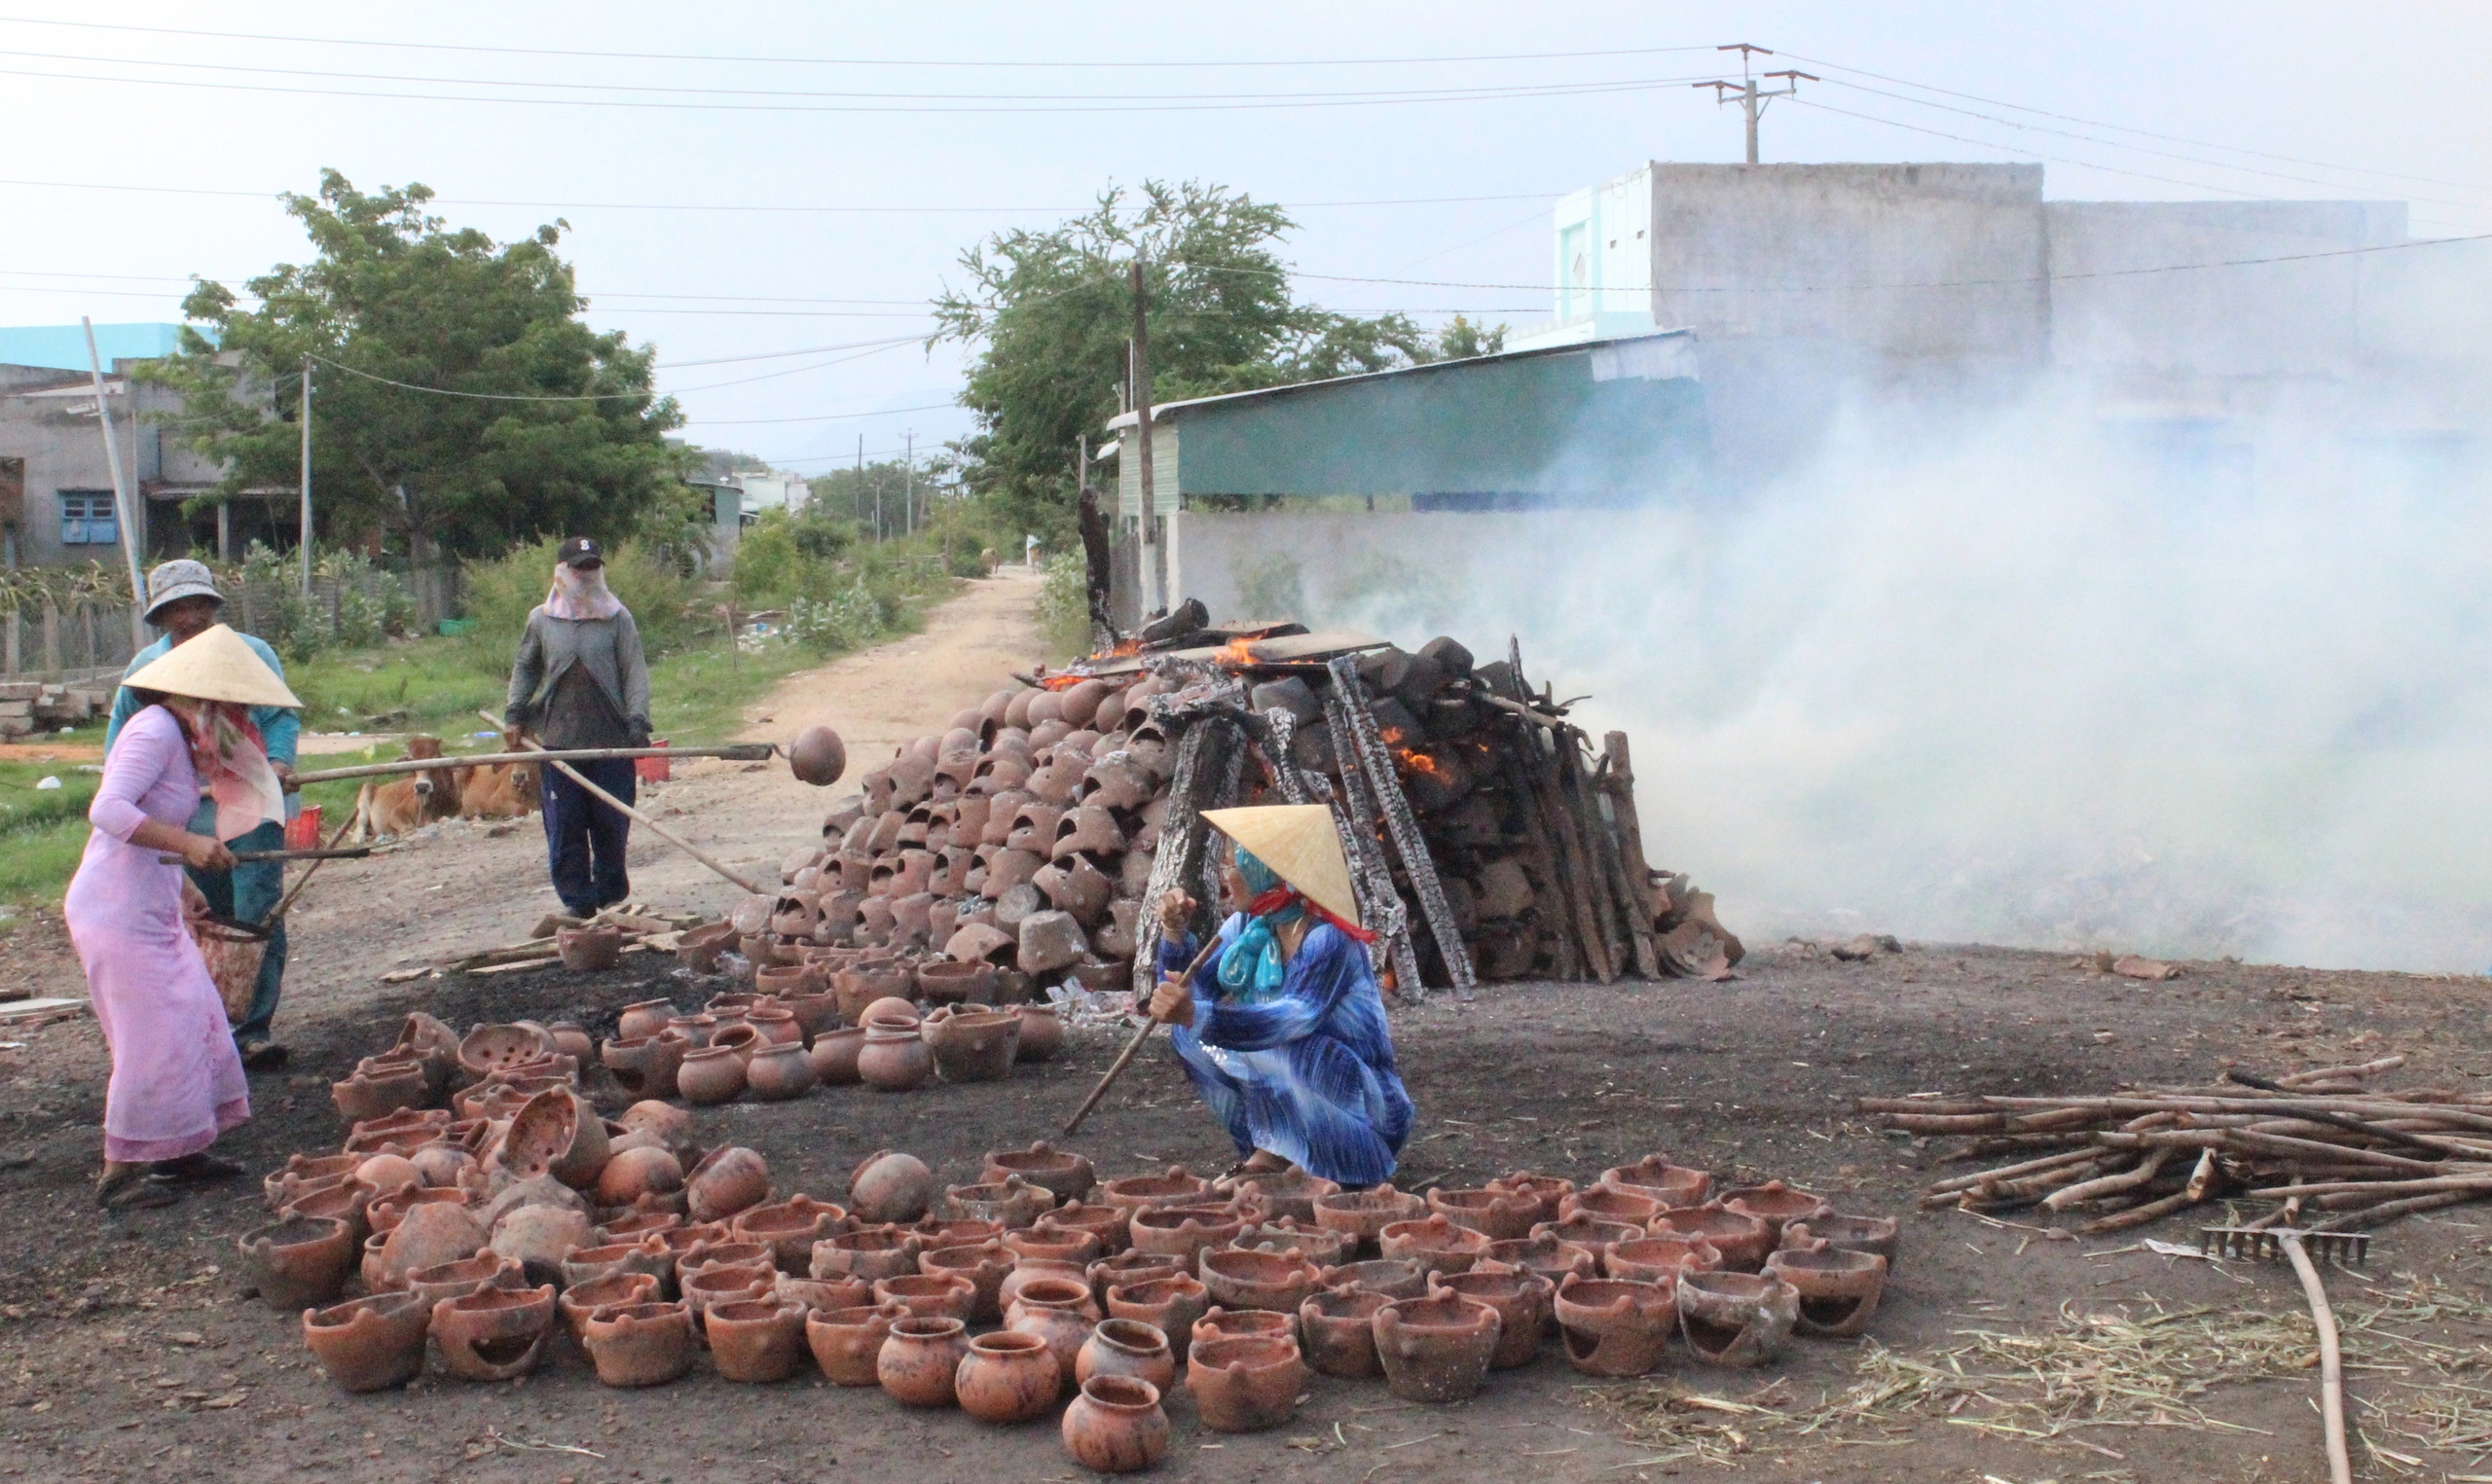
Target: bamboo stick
x=2110, y=1184
x=637, y=818
x=737, y=752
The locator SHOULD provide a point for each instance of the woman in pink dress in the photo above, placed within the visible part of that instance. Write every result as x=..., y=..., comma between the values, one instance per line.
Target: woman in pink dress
x=177, y=1082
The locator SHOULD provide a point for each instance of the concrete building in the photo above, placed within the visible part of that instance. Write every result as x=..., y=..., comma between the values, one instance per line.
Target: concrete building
x=55, y=482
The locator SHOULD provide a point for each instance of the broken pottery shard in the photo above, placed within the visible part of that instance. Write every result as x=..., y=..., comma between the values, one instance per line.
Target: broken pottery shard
x=2135, y=967
x=1049, y=941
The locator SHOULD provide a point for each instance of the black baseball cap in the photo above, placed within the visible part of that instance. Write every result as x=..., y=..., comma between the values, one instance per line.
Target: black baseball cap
x=583, y=550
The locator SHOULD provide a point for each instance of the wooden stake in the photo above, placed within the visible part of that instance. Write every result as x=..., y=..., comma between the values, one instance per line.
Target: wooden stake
x=633, y=814
x=738, y=752
x=1115, y=1068
x=1407, y=841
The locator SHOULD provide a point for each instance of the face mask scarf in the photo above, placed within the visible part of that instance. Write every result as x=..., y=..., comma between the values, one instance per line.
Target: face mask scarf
x=581, y=595
x=233, y=763
x=1251, y=969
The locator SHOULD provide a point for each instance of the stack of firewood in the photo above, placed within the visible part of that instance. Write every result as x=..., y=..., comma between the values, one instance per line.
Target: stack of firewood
x=2329, y=1150
x=1488, y=838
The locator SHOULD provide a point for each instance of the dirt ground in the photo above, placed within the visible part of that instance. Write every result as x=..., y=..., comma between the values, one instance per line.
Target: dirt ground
x=125, y=1346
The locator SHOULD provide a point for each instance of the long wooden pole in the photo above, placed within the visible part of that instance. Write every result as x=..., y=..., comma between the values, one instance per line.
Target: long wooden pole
x=633, y=814
x=1115, y=1068
x=2331, y=1360
x=739, y=752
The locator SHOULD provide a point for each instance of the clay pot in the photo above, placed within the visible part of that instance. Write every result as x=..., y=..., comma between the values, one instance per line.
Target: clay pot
x=377, y=1090
x=1041, y=1032
x=1029, y=1270
x=1874, y=1235
x=1654, y=1176
x=834, y=1057
x=557, y=1133
x=468, y=1275
x=847, y=1342
x=1839, y=1289
x=890, y=1186
x=387, y=1213
x=729, y=1284
x=639, y=1226
x=1364, y=1215
x=1125, y=1347
x=1008, y=1377
x=1183, y=1231
x=589, y=950
x=756, y=1340
x=621, y=1289
x=1336, y=1330
x=1008, y=1203
x=1115, y=1426
x=814, y=1015
x=1321, y=1248
x=930, y=1294
x=694, y=1029
x=301, y=1261
x=1742, y=1239
x=920, y=1358
x=779, y=1073
x=1523, y=1300
x=789, y=1228
x=1218, y=1323
x=640, y=1344
x=1737, y=1319
x=1435, y=1349
x=646, y=1066
x=345, y=1198
x=739, y=1037
x=369, y=1343
x=1438, y=1245
x=1169, y=1305
x=1608, y=1202
x=727, y=1250
x=1248, y=1279
x=777, y=1026
x=1589, y=1233
x=985, y=1264
x=972, y=1045
x=729, y=1180
x=539, y=1237
x=644, y=1018
x=1061, y=1173
x=637, y=1172
x=1612, y=1326
x=1395, y=1278
x=429, y=1233
x=1130, y=1267
x=710, y=1074
x=1549, y=1190
x=943, y=982
x=1660, y=1259
x=1178, y=1186
x=302, y=1171
x=1494, y=1211
x=1245, y=1384
x=869, y=1252
x=1776, y=1205
x=1289, y=1194
x=1059, y=1311
x=1111, y=1225
x=400, y=1132
x=894, y=1058
x=1069, y=1245
x=572, y=1041
x=823, y=1292
x=865, y=983
x=699, y=949
x=493, y=1334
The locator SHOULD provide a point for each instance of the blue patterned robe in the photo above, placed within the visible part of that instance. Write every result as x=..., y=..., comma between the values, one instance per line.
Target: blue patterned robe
x=1307, y=1074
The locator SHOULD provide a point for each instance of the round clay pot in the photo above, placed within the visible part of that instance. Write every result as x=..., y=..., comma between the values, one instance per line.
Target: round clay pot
x=430, y=1233
x=647, y=1065
x=1364, y=1215
x=389, y=1173
x=1654, y=1176
x=1839, y=1289
x=301, y=1261
x=493, y=1334
x=710, y=1288
x=869, y=1252
x=971, y=1045
x=639, y=1224
x=612, y=1259
x=1283, y=1195
x=942, y=982
x=1245, y=1384
x=303, y=1170
x=1776, y=1205
x=1061, y=1173
x=1325, y=1250
x=726, y=1182
x=1183, y=1231
x=727, y=1250
x=1495, y=1213
x=1435, y=1242
x=709, y=1076
x=640, y=1344
x=1523, y=1300
x=817, y=757
x=1115, y=1426
x=919, y=1360
x=791, y=1228
x=589, y=950
x=1874, y=1235
x=646, y=1018
x=1735, y=1320
x=1058, y=1311
x=1113, y=1225
x=740, y=1038
x=847, y=1343
x=1178, y=1186
x=572, y=1041
x=1435, y=1349
x=1041, y=1034
x=558, y=1133
x=458, y=1279
x=756, y=1340
x=634, y=1174
x=369, y=1343
x=1218, y=1323
x=985, y=1264
x=1128, y=1268
x=1239, y=1278
x=1067, y=1245
x=890, y=1186
x=779, y=1073
x=894, y=1058
x=1008, y=1377
x=694, y=1029
x=1169, y=1305
x=1660, y=1259
x=1590, y=1233
x=1549, y=1190
x=948, y=1295
x=1613, y=1327
x=580, y=1300
x=1742, y=1239
x=1396, y=1277
x=816, y=1293
x=1608, y=1202
x=1125, y=1347
x=834, y=1057
x=1029, y=1270
x=1336, y=1330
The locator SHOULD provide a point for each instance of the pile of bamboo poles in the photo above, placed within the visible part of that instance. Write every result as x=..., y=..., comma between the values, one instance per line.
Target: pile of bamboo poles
x=2322, y=1141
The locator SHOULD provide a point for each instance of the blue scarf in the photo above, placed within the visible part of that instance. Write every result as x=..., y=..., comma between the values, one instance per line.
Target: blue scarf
x=1251, y=968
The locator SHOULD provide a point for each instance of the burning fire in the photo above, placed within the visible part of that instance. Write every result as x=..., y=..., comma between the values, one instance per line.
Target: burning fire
x=1410, y=759
x=1083, y=668
x=1238, y=651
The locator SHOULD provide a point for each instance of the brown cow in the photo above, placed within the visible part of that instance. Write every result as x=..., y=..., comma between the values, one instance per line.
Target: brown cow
x=405, y=803
x=499, y=790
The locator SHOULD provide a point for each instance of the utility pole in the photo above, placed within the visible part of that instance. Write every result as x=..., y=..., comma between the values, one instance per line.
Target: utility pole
x=129, y=533
x=306, y=418
x=1751, y=100
x=1147, y=567
x=857, y=495
x=909, y=485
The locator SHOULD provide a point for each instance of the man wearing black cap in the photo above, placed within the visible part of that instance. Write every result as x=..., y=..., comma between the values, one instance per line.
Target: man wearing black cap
x=582, y=681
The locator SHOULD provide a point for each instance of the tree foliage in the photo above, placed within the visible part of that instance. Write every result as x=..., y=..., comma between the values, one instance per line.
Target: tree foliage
x=1052, y=312
x=559, y=431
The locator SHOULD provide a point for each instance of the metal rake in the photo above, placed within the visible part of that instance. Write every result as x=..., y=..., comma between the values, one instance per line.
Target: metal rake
x=2266, y=1244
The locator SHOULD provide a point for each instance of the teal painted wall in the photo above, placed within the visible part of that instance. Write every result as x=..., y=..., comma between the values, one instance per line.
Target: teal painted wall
x=1521, y=431
x=64, y=346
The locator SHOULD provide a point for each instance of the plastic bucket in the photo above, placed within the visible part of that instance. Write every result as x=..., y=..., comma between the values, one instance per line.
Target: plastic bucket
x=653, y=770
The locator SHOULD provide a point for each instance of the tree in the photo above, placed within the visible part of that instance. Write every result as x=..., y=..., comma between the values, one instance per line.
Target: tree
x=1052, y=312
x=528, y=422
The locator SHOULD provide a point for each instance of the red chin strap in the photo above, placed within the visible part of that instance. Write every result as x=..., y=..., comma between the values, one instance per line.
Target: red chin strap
x=1284, y=896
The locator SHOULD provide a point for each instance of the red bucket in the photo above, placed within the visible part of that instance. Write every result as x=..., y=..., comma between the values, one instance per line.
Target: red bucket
x=653, y=770
x=303, y=831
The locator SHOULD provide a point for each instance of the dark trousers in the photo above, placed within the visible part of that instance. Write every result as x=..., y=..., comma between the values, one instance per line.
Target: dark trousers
x=584, y=839
x=245, y=895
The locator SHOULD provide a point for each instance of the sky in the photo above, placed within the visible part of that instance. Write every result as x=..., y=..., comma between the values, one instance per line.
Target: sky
x=757, y=179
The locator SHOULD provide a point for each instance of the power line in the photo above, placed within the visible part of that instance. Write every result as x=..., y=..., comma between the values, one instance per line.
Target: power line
x=887, y=412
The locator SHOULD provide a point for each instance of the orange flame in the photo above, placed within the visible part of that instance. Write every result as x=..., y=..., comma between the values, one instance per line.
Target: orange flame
x=1410, y=759
x=1238, y=651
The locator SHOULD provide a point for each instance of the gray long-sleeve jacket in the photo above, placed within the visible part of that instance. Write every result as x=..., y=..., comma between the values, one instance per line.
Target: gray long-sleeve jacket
x=581, y=682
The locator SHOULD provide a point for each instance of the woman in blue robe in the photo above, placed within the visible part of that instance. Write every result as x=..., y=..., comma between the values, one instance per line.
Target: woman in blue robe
x=1282, y=1030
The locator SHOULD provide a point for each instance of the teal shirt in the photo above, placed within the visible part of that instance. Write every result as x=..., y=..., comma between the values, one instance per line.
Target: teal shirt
x=281, y=727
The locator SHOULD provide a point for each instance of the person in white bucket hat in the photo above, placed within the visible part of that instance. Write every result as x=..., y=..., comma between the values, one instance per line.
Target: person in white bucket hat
x=177, y=1081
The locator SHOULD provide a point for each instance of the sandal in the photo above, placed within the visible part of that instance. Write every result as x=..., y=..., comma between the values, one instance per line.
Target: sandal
x=192, y=1170
x=129, y=1188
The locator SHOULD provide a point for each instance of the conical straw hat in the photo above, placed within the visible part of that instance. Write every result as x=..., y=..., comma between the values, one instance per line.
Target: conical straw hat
x=1299, y=842
x=215, y=665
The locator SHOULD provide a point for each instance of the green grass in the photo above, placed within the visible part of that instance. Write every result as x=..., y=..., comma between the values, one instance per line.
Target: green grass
x=43, y=830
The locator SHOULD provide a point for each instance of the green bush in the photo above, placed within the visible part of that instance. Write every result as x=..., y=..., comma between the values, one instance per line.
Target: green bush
x=664, y=601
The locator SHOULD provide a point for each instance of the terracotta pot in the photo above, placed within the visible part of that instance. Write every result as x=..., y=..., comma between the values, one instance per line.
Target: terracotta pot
x=729, y=1180
x=607, y=1259
x=589, y=950
x=919, y=1360
x=643, y=1018
x=1009, y=1202
x=1494, y=1211
x=1839, y=1289
x=894, y=1058
x=401, y=1131
x=823, y=1292
x=1608, y=1202
x=1590, y=1233
x=1029, y=1270
x=707, y=1288
x=847, y=1342
x=866, y=981
x=779, y=1073
x=985, y=1264
x=430, y=1233
x=1523, y=1300
x=1069, y=1245
x=1113, y=1225
x=1008, y=1377
x=1737, y=1319
x=302, y=1171
x=1115, y=1426
x=1183, y=1231
x=1435, y=1349
x=869, y=1252
x=1776, y=1205
x=1286, y=1194
x=572, y=1041
x=648, y=1066
x=1673, y=1185
x=1178, y=1186
x=1249, y=1279
x=1245, y=1384
x=834, y=1057
x=756, y=1340
x=493, y=1334
x=1041, y=1034
x=741, y=1039
x=930, y=1294
x=943, y=982
x=1550, y=1190
x=1612, y=1326
x=1742, y=1239
x=1874, y=1235
x=369, y=1343
x=816, y=1015
x=387, y=1213
x=694, y=1029
x=634, y=1174
x=640, y=1344
x=727, y=1251
x=1325, y=1250
x=558, y=1133
x=622, y=1289
x=1660, y=1259
x=375, y=1091
x=1058, y=1311
x=301, y=1261
x=639, y=1224
x=1061, y=1173
x=1438, y=1245
x=1336, y=1330
x=458, y=1279
x=539, y=1237
x=1125, y=1347
x=1218, y=1323
x=1395, y=1278
x=791, y=1228
x=972, y=1045
x=345, y=1198
x=1128, y=1268
x=890, y=1186
x=709, y=1076
x=776, y=1025
x=1169, y=1305
x=1365, y=1213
